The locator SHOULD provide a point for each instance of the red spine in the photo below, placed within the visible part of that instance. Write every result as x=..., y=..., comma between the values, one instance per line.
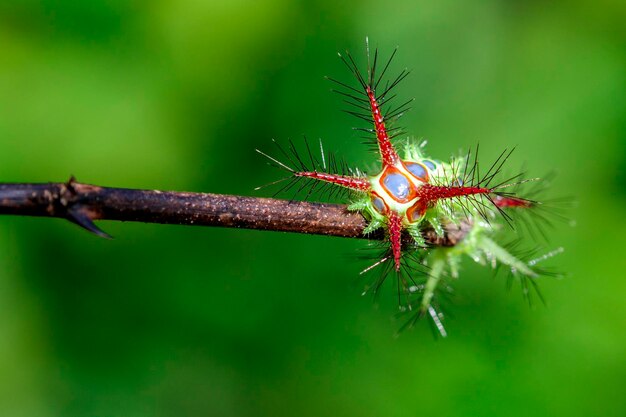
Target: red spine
x=387, y=152
x=430, y=193
x=506, y=202
x=354, y=183
x=395, y=236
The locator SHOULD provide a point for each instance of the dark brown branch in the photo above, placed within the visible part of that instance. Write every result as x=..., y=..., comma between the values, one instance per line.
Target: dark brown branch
x=83, y=203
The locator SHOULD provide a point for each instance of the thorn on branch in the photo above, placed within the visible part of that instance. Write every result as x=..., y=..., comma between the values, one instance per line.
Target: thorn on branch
x=82, y=217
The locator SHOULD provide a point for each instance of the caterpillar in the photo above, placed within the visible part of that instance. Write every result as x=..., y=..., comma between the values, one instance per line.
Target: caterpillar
x=412, y=193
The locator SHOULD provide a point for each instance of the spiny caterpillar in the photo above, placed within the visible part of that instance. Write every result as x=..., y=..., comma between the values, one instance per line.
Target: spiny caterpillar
x=413, y=193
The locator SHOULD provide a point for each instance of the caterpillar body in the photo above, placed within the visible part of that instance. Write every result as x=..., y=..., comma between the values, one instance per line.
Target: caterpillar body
x=412, y=193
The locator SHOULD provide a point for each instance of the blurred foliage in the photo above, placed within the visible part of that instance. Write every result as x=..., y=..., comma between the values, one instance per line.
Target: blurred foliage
x=175, y=321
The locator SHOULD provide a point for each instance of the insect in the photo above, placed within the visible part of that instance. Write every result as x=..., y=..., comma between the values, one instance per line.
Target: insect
x=412, y=194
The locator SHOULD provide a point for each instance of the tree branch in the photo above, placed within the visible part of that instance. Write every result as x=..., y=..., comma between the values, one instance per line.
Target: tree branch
x=84, y=203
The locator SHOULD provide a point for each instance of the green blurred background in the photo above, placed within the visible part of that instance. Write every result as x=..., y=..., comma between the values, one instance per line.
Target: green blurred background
x=182, y=321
